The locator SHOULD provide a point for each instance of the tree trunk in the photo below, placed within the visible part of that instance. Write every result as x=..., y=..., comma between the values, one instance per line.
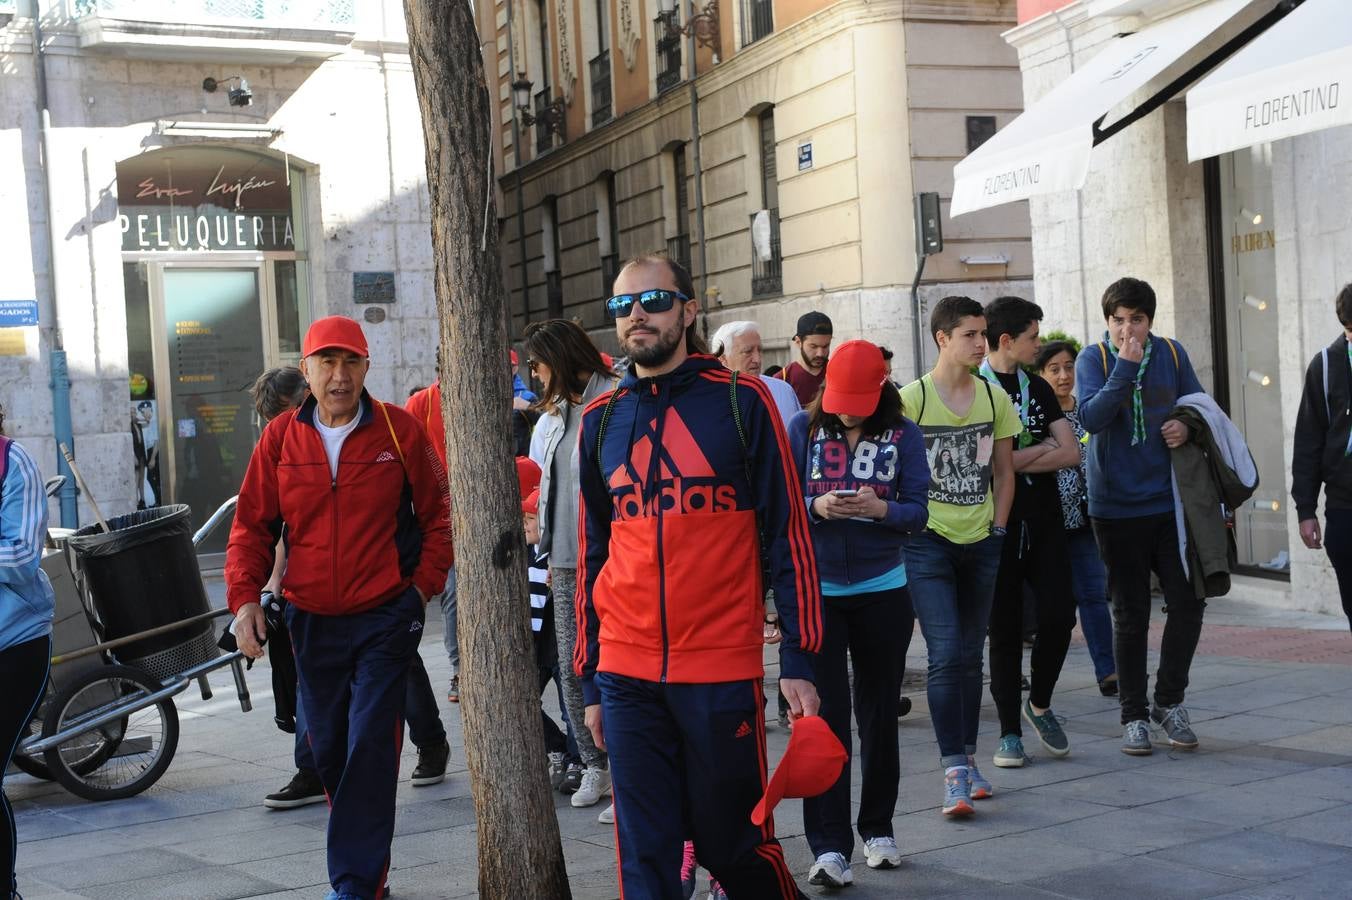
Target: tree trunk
x=520, y=854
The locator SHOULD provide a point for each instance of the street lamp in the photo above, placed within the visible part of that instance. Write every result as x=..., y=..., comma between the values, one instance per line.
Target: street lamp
x=702, y=25
x=552, y=117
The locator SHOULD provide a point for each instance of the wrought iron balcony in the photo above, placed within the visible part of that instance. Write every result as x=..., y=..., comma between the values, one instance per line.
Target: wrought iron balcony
x=668, y=48
x=767, y=269
x=600, y=88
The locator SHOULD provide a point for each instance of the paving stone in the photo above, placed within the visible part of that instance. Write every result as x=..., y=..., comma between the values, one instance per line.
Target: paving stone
x=1242, y=805
x=1132, y=788
x=1132, y=831
x=1257, y=855
x=1337, y=739
x=1332, y=826
x=1132, y=879
x=1017, y=858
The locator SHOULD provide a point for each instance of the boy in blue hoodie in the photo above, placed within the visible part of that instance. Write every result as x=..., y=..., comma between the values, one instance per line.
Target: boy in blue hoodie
x=1128, y=384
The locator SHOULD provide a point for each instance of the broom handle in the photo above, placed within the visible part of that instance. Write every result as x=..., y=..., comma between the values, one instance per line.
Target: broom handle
x=79, y=479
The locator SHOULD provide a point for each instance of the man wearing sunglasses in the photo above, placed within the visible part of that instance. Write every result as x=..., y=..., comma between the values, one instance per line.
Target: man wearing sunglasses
x=683, y=474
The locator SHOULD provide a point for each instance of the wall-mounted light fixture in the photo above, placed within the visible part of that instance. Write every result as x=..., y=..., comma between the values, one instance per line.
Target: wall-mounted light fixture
x=552, y=117
x=1257, y=303
x=238, y=94
x=1254, y=217
x=1265, y=505
x=994, y=259
x=703, y=25
x=1259, y=378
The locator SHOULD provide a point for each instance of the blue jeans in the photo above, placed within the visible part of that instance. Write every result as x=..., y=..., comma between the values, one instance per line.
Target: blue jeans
x=1090, y=582
x=951, y=589
x=448, y=633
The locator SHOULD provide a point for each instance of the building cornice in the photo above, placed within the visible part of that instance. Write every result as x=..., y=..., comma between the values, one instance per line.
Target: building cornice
x=961, y=11
x=745, y=63
x=1069, y=16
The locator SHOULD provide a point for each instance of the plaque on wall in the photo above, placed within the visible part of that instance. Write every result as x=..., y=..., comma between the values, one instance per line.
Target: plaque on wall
x=373, y=287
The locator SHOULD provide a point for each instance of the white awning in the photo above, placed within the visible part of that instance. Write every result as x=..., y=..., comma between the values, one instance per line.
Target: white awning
x=1294, y=78
x=1046, y=149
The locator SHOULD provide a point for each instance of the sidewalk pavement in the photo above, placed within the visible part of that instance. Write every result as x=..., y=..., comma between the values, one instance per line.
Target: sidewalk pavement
x=1258, y=812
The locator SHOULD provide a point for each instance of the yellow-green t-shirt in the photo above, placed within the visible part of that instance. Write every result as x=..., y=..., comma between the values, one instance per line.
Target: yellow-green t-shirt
x=959, y=451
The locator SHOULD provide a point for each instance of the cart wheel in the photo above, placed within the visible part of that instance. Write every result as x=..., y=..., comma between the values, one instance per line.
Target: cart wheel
x=119, y=758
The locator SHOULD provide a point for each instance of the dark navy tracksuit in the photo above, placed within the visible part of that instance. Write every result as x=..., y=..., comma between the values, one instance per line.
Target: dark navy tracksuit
x=670, y=614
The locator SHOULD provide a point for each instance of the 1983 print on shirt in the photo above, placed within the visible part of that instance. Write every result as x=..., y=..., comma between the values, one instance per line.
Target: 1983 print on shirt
x=832, y=467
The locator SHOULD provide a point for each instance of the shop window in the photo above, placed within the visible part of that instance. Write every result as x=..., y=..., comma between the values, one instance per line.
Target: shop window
x=979, y=130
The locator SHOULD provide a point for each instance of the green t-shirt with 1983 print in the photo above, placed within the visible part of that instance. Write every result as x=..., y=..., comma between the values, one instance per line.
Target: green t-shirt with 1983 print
x=959, y=450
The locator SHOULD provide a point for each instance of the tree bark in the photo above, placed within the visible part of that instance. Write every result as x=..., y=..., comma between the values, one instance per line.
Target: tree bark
x=520, y=853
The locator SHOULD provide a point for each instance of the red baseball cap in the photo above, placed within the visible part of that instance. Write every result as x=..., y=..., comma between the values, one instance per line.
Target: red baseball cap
x=337, y=332
x=527, y=474
x=854, y=379
x=811, y=764
x=531, y=505
x=511, y=354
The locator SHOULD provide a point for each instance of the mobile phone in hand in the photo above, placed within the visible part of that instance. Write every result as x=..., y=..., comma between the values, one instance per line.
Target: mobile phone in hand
x=850, y=492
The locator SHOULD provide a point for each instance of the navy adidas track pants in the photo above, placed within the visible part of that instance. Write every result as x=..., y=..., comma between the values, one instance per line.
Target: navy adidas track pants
x=353, y=673
x=688, y=760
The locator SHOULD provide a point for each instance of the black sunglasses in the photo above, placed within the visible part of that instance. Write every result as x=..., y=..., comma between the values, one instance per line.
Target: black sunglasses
x=655, y=301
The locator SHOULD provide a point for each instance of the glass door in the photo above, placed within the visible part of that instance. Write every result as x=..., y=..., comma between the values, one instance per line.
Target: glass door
x=210, y=348
x=1251, y=349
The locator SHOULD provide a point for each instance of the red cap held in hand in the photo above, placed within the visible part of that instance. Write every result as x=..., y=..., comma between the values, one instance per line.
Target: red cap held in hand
x=335, y=332
x=854, y=379
x=811, y=764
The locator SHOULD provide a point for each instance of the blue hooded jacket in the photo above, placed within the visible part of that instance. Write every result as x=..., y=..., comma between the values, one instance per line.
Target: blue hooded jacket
x=27, y=603
x=1126, y=481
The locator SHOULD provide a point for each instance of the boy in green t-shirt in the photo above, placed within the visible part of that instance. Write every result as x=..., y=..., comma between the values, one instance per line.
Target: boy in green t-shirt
x=952, y=565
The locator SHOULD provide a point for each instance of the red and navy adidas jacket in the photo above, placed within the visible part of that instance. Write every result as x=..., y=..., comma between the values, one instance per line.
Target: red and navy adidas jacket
x=669, y=582
x=355, y=541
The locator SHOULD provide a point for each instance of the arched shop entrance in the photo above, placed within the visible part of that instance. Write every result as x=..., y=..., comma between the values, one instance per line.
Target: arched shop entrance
x=217, y=289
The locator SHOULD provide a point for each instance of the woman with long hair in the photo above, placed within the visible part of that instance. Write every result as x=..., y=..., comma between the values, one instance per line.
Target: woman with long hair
x=573, y=374
x=865, y=476
x=27, y=606
x=1056, y=363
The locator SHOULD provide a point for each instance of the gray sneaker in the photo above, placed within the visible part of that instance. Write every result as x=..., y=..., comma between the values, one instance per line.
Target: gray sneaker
x=1136, y=740
x=1048, y=728
x=1174, y=721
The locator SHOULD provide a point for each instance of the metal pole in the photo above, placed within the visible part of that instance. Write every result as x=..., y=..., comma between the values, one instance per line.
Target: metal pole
x=699, y=169
x=62, y=426
x=516, y=170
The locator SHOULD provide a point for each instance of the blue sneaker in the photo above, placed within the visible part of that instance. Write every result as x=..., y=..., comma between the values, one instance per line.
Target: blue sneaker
x=980, y=788
x=957, y=793
x=1048, y=728
x=1010, y=755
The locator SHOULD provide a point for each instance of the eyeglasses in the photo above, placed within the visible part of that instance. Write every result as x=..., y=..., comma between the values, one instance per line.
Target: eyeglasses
x=656, y=301
x=532, y=364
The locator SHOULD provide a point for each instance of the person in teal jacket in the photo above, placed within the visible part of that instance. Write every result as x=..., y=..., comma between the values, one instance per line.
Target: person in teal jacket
x=27, y=606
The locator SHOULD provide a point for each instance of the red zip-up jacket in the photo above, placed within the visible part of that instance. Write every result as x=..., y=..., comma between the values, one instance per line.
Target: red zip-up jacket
x=355, y=541
x=425, y=406
x=669, y=585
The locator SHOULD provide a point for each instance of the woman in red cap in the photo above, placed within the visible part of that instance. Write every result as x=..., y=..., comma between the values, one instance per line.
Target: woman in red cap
x=865, y=479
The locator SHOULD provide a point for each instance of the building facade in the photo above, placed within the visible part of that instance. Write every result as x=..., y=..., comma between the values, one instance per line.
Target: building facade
x=1246, y=251
x=173, y=243
x=817, y=122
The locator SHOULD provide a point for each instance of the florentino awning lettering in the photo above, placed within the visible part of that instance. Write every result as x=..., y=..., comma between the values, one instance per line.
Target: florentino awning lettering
x=1293, y=79
x=1047, y=148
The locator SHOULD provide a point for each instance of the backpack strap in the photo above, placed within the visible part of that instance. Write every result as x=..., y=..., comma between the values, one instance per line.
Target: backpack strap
x=394, y=437
x=601, y=431
x=1103, y=352
x=4, y=460
x=1173, y=348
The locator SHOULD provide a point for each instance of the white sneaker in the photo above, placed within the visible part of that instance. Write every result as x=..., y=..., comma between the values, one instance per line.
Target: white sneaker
x=607, y=816
x=882, y=853
x=595, y=785
x=830, y=870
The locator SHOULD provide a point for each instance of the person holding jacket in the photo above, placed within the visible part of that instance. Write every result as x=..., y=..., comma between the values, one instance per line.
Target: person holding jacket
x=864, y=476
x=686, y=472
x=1128, y=385
x=27, y=606
x=1322, y=454
x=573, y=374
x=364, y=503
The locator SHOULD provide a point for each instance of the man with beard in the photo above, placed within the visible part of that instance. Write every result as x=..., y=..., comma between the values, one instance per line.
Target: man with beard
x=680, y=466
x=813, y=340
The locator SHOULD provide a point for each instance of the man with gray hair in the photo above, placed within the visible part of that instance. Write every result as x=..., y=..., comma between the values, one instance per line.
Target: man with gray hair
x=738, y=347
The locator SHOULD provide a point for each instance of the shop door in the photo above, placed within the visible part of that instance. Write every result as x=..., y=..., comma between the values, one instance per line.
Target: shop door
x=210, y=351
x=1248, y=320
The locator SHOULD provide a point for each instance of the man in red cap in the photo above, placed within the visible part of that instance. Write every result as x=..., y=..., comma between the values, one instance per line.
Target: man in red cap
x=363, y=500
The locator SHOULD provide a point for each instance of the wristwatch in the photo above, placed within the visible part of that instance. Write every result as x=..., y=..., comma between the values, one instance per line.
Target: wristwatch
x=999, y=530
